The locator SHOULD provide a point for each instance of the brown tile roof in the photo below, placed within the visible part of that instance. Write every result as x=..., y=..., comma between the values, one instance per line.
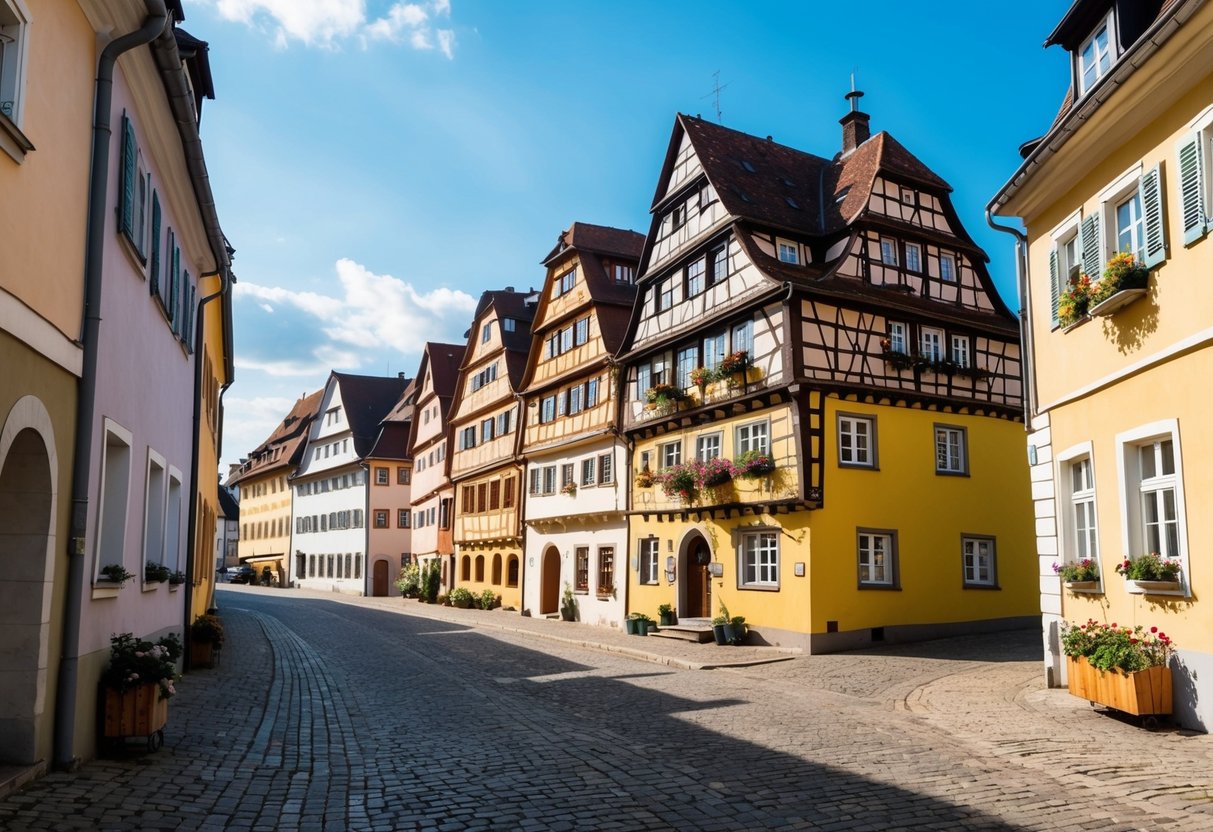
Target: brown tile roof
x=281, y=449
x=592, y=243
x=444, y=361
x=509, y=304
x=392, y=441
x=366, y=400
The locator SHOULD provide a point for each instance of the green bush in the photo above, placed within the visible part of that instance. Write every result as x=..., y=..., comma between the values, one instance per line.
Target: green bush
x=488, y=599
x=431, y=581
x=409, y=582
x=460, y=597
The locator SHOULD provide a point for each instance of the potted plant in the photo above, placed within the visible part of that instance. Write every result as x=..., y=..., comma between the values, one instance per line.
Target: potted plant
x=569, y=489
x=1074, y=302
x=460, y=597
x=734, y=362
x=735, y=630
x=176, y=578
x=701, y=377
x=1079, y=576
x=663, y=395
x=206, y=636
x=116, y=573
x=681, y=481
x=642, y=623
x=1124, y=280
x=156, y=573
x=644, y=479
x=1121, y=668
x=665, y=614
x=1150, y=573
x=718, y=625
x=137, y=685
x=488, y=600
x=715, y=472
x=409, y=582
x=568, y=604
x=754, y=464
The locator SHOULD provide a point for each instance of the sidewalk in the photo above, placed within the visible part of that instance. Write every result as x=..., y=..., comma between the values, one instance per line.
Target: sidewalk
x=675, y=653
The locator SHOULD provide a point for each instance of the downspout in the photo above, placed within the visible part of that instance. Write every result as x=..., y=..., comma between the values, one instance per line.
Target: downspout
x=1027, y=338
x=66, y=691
x=195, y=445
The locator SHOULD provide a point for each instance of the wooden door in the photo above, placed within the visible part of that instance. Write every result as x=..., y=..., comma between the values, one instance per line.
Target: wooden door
x=697, y=602
x=549, y=583
x=379, y=579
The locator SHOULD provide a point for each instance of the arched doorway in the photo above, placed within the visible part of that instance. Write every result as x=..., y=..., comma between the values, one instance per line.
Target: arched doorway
x=695, y=596
x=26, y=517
x=379, y=579
x=549, y=582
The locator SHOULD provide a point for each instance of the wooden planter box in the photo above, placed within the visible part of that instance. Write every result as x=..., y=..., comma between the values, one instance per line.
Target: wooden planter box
x=1139, y=693
x=202, y=654
x=138, y=712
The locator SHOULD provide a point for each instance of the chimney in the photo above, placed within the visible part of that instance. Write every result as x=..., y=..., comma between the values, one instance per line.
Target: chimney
x=400, y=376
x=855, y=130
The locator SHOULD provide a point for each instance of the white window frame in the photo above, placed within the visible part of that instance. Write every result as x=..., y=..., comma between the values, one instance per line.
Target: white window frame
x=588, y=472
x=913, y=257
x=14, y=66
x=1132, y=531
x=930, y=343
x=648, y=548
x=113, y=497
x=959, y=353
x=888, y=251
x=745, y=437
x=948, y=268
x=975, y=573
x=758, y=555
x=787, y=251
x=671, y=454
x=703, y=444
x=953, y=466
x=1123, y=187
x=1069, y=499
x=155, y=506
x=865, y=545
x=854, y=456
x=1108, y=27
x=899, y=337
x=606, y=469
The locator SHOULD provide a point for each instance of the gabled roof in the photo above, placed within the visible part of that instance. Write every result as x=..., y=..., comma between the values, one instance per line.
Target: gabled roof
x=366, y=400
x=228, y=507
x=282, y=448
x=444, y=361
x=508, y=304
x=392, y=442
x=591, y=243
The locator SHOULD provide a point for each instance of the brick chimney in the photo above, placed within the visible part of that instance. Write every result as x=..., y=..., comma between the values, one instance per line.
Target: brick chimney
x=855, y=129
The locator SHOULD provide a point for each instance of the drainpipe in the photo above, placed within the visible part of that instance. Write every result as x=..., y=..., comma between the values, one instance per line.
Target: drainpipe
x=195, y=445
x=1027, y=337
x=98, y=199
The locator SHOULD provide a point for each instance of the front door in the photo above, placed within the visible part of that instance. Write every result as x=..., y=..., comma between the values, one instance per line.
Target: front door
x=697, y=603
x=379, y=579
x=549, y=583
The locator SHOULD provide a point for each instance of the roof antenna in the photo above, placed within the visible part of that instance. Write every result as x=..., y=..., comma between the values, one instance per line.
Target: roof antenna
x=716, y=90
x=854, y=95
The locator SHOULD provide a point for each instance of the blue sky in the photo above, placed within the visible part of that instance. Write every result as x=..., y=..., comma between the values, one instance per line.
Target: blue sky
x=378, y=164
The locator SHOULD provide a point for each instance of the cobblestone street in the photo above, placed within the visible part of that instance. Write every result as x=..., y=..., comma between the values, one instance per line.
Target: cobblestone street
x=376, y=714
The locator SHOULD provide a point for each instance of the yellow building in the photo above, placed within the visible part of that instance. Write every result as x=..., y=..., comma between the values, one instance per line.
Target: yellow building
x=263, y=480
x=1118, y=408
x=484, y=424
x=821, y=387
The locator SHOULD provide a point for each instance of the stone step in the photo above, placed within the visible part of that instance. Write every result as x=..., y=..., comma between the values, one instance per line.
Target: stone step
x=684, y=632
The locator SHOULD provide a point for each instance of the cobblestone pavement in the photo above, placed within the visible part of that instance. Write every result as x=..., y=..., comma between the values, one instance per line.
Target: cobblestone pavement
x=332, y=714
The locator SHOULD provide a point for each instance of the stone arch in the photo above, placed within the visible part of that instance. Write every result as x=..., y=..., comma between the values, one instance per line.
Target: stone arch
x=28, y=500
x=479, y=568
x=465, y=568
x=694, y=582
x=496, y=574
x=549, y=582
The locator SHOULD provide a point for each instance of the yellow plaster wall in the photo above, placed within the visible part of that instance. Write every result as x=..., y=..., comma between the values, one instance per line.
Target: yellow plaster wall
x=511, y=596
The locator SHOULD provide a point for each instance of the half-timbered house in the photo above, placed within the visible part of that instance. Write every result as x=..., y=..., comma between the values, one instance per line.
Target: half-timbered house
x=822, y=390
x=429, y=441
x=484, y=428
x=576, y=503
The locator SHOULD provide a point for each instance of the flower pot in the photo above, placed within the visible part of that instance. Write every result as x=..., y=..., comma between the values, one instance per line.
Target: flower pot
x=718, y=633
x=730, y=633
x=1139, y=693
x=642, y=628
x=667, y=619
x=630, y=624
x=1112, y=304
x=138, y=712
x=202, y=654
x=1082, y=586
x=1145, y=587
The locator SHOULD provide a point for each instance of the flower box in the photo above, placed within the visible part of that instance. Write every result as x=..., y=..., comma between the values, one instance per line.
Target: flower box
x=138, y=712
x=1082, y=586
x=1138, y=693
x=1122, y=298
x=1149, y=587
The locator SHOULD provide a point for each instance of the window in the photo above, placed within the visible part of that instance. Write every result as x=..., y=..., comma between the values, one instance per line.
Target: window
x=567, y=475
x=381, y=476
x=694, y=278
x=486, y=332
x=508, y=325
x=788, y=253
x=467, y=438
x=950, y=450
x=606, y=469
x=743, y=337
x=482, y=494
x=115, y=488
x=1129, y=233
x=877, y=558
x=856, y=441
x=947, y=268
x=1159, y=518
x=707, y=195
x=720, y=266
x=713, y=350
x=587, y=471
x=978, y=555
x=154, y=509
x=403, y=475
x=759, y=559
x=1082, y=508
x=511, y=571
x=507, y=497
x=665, y=295
x=907, y=196
x=566, y=282
x=468, y=504
x=623, y=274
x=505, y=422
x=606, y=570
x=581, y=558
x=1195, y=165
x=707, y=446
x=913, y=257
x=931, y=346
x=494, y=495
x=688, y=359
x=960, y=350
x=1094, y=57
x=480, y=568
x=547, y=409
x=888, y=251
x=649, y=555
x=753, y=437
x=591, y=392
x=549, y=479
x=12, y=60
x=898, y=337
x=671, y=454
x=534, y=476
x=581, y=331
x=679, y=216
x=486, y=430
x=575, y=399
x=402, y=518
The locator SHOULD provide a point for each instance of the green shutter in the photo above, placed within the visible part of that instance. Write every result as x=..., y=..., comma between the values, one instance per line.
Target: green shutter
x=174, y=287
x=1150, y=190
x=126, y=213
x=1054, y=288
x=1191, y=188
x=193, y=315
x=154, y=284
x=184, y=329
x=1092, y=263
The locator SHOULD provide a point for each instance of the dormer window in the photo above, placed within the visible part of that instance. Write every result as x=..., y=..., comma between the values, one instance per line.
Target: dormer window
x=1095, y=57
x=788, y=253
x=679, y=216
x=486, y=332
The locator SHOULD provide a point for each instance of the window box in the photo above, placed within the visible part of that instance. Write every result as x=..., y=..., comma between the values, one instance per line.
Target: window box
x=1154, y=587
x=1141, y=692
x=1124, y=297
x=1092, y=587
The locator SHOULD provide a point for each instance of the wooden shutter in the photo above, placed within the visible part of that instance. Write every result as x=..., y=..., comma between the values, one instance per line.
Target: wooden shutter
x=166, y=284
x=1191, y=188
x=174, y=287
x=183, y=329
x=126, y=212
x=1150, y=191
x=1054, y=287
x=1089, y=240
x=154, y=283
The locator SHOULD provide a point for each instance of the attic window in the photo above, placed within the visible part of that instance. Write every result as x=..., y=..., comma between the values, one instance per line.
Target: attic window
x=1095, y=56
x=745, y=163
x=744, y=196
x=841, y=195
x=791, y=202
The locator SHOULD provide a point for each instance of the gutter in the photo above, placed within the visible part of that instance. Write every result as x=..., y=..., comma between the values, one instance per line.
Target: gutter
x=1027, y=336
x=66, y=692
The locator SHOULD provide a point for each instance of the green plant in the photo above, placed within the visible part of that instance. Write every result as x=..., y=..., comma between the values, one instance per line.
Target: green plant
x=135, y=662
x=662, y=394
x=665, y=609
x=431, y=581
x=460, y=597
x=734, y=362
x=409, y=582
x=1074, y=301
x=1123, y=271
x=723, y=618
x=116, y=573
x=753, y=464
x=703, y=376
x=679, y=481
x=1108, y=647
x=177, y=578
x=569, y=489
x=1084, y=570
x=1150, y=567
x=207, y=628
x=645, y=478
x=156, y=573
x=568, y=604
x=489, y=599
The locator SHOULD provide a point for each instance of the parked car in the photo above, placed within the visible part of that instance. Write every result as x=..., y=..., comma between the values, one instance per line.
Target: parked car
x=241, y=574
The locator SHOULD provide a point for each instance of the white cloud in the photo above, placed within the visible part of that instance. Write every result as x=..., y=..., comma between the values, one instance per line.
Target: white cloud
x=267, y=308
x=326, y=23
